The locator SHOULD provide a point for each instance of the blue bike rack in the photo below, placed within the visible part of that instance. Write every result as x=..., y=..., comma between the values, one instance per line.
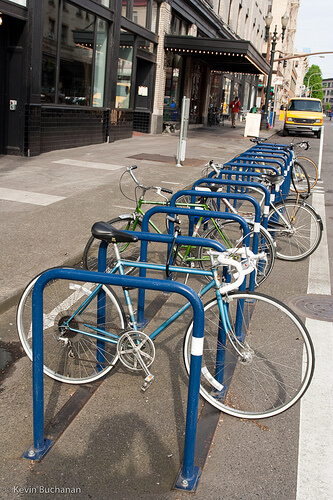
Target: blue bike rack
x=249, y=170
x=229, y=183
x=189, y=473
x=225, y=215
x=145, y=236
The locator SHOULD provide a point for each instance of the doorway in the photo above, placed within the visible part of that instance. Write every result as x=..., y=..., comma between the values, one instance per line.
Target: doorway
x=3, y=73
x=143, y=101
x=13, y=85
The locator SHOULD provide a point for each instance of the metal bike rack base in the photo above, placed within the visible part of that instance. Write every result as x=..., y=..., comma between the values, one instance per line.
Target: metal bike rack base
x=188, y=484
x=189, y=474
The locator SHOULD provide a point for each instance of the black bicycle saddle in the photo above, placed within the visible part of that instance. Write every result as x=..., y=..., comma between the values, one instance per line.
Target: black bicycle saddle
x=104, y=231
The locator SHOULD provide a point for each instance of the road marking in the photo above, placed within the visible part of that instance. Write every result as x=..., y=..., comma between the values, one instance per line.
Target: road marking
x=28, y=197
x=315, y=474
x=123, y=207
x=319, y=270
x=88, y=164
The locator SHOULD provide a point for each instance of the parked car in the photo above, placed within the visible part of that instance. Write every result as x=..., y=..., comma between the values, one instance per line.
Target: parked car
x=304, y=114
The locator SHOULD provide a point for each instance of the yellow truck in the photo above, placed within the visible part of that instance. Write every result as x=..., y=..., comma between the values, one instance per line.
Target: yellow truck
x=304, y=114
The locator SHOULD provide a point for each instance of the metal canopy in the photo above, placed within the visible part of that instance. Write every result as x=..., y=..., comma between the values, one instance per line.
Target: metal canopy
x=237, y=56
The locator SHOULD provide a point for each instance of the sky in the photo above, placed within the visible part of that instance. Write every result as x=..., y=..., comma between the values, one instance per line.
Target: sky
x=315, y=32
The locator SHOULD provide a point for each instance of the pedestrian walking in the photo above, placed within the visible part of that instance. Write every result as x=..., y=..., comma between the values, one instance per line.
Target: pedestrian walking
x=330, y=114
x=234, y=107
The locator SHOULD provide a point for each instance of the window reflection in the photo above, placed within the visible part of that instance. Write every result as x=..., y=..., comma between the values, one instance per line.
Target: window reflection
x=140, y=12
x=76, y=56
x=49, y=52
x=124, y=75
x=146, y=45
x=172, y=87
x=100, y=62
x=124, y=7
x=83, y=39
x=154, y=17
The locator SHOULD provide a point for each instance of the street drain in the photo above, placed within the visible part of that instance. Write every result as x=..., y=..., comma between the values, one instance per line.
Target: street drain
x=314, y=306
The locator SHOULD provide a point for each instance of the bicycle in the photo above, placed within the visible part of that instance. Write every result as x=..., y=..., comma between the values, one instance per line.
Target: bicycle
x=248, y=370
x=294, y=225
x=186, y=256
x=305, y=171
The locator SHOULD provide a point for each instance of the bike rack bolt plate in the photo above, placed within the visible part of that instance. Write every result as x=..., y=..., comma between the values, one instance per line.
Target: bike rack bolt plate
x=318, y=307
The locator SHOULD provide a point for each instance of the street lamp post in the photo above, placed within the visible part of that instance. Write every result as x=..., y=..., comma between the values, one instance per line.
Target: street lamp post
x=308, y=86
x=314, y=86
x=284, y=22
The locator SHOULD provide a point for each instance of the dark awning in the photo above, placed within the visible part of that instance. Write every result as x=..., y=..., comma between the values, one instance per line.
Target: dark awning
x=237, y=56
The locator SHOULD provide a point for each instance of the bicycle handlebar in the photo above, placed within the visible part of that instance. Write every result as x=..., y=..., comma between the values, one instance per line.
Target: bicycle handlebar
x=301, y=144
x=242, y=268
x=158, y=189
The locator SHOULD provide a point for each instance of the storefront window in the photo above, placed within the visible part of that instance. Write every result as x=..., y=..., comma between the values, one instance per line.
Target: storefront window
x=73, y=68
x=140, y=12
x=226, y=95
x=172, y=88
x=179, y=26
x=124, y=76
x=50, y=22
x=100, y=61
x=214, y=97
x=124, y=7
x=76, y=57
x=154, y=17
x=146, y=45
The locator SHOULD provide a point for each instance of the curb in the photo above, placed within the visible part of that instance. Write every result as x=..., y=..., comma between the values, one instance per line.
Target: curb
x=13, y=299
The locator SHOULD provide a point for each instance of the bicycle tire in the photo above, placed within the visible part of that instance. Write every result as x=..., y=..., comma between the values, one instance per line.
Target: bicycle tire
x=311, y=169
x=277, y=370
x=304, y=233
x=71, y=357
x=300, y=182
x=127, y=251
x=232, y=237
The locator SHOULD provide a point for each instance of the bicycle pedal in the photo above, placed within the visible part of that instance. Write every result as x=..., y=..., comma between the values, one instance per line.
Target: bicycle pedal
x=147, y=382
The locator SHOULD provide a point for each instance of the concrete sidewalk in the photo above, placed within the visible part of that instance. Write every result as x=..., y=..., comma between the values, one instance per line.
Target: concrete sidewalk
x=49, y=202
x=123, y=444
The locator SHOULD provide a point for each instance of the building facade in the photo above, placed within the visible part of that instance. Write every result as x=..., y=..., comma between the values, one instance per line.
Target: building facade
x=89, y=71
x=328, y=91
x=285, y=71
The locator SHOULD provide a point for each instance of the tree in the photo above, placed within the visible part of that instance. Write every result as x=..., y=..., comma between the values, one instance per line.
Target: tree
x=313, y=81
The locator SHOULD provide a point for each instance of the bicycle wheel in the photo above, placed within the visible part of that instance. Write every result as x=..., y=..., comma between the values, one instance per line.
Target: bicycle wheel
x=311, y=169
x=127, y=251
x=70, y=355
x=230, y=234
x=296, y=228
x=184, y=201
x=265, y=373
x=300, y=182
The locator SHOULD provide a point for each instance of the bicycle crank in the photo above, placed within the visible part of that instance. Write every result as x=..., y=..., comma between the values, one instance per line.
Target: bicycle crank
x=137, y=352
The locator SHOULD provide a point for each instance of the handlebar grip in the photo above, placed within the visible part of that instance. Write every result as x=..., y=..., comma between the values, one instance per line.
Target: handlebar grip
x=165, y=190
x=133, y=167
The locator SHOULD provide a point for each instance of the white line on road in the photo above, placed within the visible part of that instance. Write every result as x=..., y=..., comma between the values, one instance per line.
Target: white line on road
x=28, y=197
x=88, y=164
x=315, y=474
x=319, y=270
x=124, y=207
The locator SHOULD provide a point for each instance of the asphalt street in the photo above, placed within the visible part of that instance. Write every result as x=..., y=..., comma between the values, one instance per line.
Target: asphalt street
x=124, y=444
